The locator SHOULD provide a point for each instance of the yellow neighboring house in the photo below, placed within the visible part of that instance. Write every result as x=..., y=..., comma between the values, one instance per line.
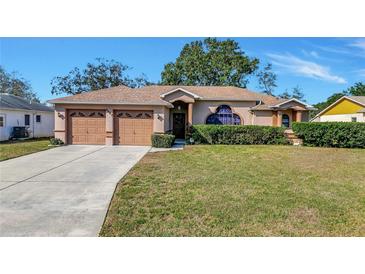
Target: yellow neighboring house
x=345, y=109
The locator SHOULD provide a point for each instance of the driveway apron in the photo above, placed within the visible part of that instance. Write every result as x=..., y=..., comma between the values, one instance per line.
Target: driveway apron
x=64, y=191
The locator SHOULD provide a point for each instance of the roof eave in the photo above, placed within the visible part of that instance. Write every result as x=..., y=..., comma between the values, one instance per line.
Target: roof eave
x=167, y=104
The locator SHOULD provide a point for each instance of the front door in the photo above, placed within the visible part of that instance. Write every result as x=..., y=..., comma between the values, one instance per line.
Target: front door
x=179, y=125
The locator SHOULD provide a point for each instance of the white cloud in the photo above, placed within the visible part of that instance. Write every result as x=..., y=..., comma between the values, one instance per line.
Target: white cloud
x=305, y=68
x=360, y=44
x=334, y=50
x=311, y=53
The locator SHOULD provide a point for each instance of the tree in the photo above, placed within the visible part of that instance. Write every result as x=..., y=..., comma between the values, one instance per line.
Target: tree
x=210, y=62
x=267, y=79
x=296, y=93
x=358, y=89
x=330, y=100
x=102, y=74
x=16, y=85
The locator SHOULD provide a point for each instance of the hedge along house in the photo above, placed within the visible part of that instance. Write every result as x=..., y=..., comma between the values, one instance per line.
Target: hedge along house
x=121, y=115
x=345, y=109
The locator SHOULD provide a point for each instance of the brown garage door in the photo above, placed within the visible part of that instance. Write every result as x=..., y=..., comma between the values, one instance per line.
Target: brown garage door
x=133, y=127
x=86, y=127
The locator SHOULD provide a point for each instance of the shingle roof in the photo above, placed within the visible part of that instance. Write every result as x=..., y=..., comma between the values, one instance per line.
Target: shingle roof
x=151, y=95
x=9, y=101
x=360, y=99
x=114, y=95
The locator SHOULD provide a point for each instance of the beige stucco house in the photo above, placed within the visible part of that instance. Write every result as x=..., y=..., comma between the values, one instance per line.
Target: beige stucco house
x=121, y=115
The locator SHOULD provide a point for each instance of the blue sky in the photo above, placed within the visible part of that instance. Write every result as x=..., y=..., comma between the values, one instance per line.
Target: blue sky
x=320, y=66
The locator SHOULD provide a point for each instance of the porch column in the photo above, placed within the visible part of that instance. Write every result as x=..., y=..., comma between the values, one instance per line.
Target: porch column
x=274, y=118
x=280, y=118
x=299, y=116
x=190, y=114
x=109, y=127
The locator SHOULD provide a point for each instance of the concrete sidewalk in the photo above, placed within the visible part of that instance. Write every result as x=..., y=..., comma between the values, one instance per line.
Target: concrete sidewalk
x=63, y=191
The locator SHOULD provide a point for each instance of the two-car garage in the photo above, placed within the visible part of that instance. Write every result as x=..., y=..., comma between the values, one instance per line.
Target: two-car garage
x=130, y=127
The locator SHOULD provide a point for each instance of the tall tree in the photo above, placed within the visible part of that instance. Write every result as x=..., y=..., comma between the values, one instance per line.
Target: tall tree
x=14, y=84
x=358, y=89
x=101, y=74
x=210, y=62
x=267, y=79
x=297, y=93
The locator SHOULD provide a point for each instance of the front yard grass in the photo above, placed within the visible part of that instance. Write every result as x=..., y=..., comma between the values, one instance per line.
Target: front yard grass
x=12, y=149
x=242, y=191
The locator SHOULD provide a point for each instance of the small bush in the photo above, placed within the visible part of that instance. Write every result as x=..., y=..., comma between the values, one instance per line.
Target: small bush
x=237, y=135
x=163, y=140
x=331, y=134
x=56, y=142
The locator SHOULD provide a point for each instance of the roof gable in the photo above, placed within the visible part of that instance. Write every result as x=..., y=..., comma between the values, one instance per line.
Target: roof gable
x=195, y=96
x=344, y=106
x=294, y=101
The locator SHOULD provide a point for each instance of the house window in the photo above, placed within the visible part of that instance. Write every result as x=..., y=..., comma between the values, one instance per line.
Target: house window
x=2, y=121
x=27, y=119
x=353, y=119
x=38, y=118
x=285, y=120
x=223, y=116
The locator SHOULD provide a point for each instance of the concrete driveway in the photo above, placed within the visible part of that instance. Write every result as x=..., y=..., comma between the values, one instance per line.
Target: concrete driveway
x=63, y=191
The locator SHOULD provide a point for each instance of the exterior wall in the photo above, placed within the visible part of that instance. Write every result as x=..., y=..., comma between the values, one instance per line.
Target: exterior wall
x=305, y=116
x=167, y=119
x=60, y=123
x=344, y=107
x=342, y=117
x=14, y=118
x=160, y=118
x=263, y=118
x=202, y=109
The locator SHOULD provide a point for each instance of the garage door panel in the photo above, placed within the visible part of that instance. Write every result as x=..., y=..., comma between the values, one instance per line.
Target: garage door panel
x=133, y=127
x=87, y=127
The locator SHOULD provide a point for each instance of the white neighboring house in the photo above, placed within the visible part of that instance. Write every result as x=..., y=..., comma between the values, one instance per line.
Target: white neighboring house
x=16, y=111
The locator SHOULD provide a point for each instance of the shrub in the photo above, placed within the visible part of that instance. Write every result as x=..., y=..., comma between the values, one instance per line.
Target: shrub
x=163, y=140
x=237, y=135
x=331, y=134
x=56, y=141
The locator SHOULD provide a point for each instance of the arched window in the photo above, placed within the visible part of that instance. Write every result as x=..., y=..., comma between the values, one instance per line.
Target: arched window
x=285, y=120
x=223, y=116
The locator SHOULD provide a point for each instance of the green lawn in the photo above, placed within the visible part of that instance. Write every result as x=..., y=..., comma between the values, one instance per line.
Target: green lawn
x=242, y=191
x=12, y=149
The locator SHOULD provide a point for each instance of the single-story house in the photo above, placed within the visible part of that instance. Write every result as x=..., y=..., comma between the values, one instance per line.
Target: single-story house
x=345, y=109
x=121, y=115
x=16, y=111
